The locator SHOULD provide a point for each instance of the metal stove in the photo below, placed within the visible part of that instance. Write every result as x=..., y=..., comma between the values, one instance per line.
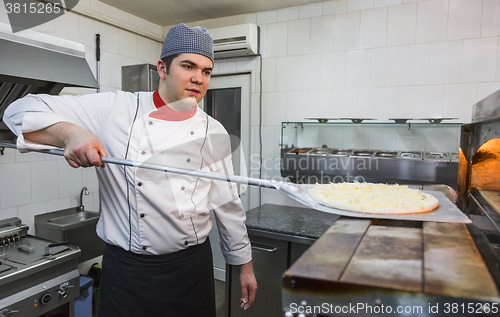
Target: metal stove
x=37, y=277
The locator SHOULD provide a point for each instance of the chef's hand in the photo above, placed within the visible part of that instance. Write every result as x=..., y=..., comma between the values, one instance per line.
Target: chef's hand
x=248, y=285
x=84, y=149
x=81, y=147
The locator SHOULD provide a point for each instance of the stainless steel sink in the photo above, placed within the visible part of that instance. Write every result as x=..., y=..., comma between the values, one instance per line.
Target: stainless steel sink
x=71, y=224
x=75, y=218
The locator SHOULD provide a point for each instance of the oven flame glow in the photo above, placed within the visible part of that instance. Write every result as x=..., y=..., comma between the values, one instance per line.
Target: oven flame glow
x=485, y=168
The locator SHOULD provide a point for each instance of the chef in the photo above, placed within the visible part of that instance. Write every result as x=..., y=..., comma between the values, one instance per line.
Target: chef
x=157, y=259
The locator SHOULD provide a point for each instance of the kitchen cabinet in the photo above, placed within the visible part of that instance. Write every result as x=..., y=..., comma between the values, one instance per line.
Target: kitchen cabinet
x=279, y=236
x=296, y=251
x=270, y=260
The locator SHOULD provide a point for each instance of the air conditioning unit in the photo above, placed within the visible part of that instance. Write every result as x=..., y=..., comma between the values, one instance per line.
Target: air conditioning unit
x=236, y=41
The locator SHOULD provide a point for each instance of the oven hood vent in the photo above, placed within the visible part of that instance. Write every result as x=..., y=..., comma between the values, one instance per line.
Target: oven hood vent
x=38, y=63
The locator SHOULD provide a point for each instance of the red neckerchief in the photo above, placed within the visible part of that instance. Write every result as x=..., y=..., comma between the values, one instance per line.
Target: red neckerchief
x=164, y=112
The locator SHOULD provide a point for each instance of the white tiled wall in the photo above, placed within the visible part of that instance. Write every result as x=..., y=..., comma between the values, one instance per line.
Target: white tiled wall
x=37, y=183
x=432, y=17
x=374, y=58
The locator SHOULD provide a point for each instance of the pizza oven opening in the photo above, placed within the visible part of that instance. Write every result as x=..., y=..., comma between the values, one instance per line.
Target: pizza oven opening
x=482, y=171
x=479, y=184
x=485, y=166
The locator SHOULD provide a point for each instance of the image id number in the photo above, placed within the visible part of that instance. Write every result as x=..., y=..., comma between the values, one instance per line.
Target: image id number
x=471, y=308
x=34, y=8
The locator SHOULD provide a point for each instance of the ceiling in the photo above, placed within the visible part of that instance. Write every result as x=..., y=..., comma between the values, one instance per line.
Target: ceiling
x=170, y=12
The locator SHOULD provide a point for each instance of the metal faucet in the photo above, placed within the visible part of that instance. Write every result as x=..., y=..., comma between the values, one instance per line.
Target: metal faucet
x=86, y=191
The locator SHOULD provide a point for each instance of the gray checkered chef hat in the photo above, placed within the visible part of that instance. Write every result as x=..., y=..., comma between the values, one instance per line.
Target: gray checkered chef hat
x=182, y=39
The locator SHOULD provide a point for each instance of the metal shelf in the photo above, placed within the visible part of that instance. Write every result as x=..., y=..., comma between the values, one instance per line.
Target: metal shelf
x=291, y=129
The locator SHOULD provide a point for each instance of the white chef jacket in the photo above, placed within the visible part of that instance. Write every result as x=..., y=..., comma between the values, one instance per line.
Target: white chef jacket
x=144, y=211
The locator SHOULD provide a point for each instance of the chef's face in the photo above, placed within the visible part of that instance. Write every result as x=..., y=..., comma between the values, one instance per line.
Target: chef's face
x=188, y=78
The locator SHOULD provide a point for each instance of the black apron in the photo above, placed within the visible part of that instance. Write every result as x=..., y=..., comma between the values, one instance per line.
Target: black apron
x=176, y=284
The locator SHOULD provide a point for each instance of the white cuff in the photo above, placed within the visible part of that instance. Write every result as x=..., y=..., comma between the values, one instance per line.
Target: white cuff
x=238, y=257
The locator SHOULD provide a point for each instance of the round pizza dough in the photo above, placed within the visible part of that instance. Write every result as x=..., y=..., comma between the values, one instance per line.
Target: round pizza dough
x=373, y=198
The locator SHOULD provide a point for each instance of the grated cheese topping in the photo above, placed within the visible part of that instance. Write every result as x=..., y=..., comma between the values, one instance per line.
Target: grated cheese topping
x=371, y=195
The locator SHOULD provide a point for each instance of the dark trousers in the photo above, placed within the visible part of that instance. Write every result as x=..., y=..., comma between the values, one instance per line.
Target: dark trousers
x=176, y=284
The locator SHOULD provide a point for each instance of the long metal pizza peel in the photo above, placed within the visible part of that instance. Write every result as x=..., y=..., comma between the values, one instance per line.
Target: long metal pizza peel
x=446, y=212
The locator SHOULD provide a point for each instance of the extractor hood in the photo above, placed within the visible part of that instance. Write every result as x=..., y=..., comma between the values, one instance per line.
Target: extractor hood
x=39, y=63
